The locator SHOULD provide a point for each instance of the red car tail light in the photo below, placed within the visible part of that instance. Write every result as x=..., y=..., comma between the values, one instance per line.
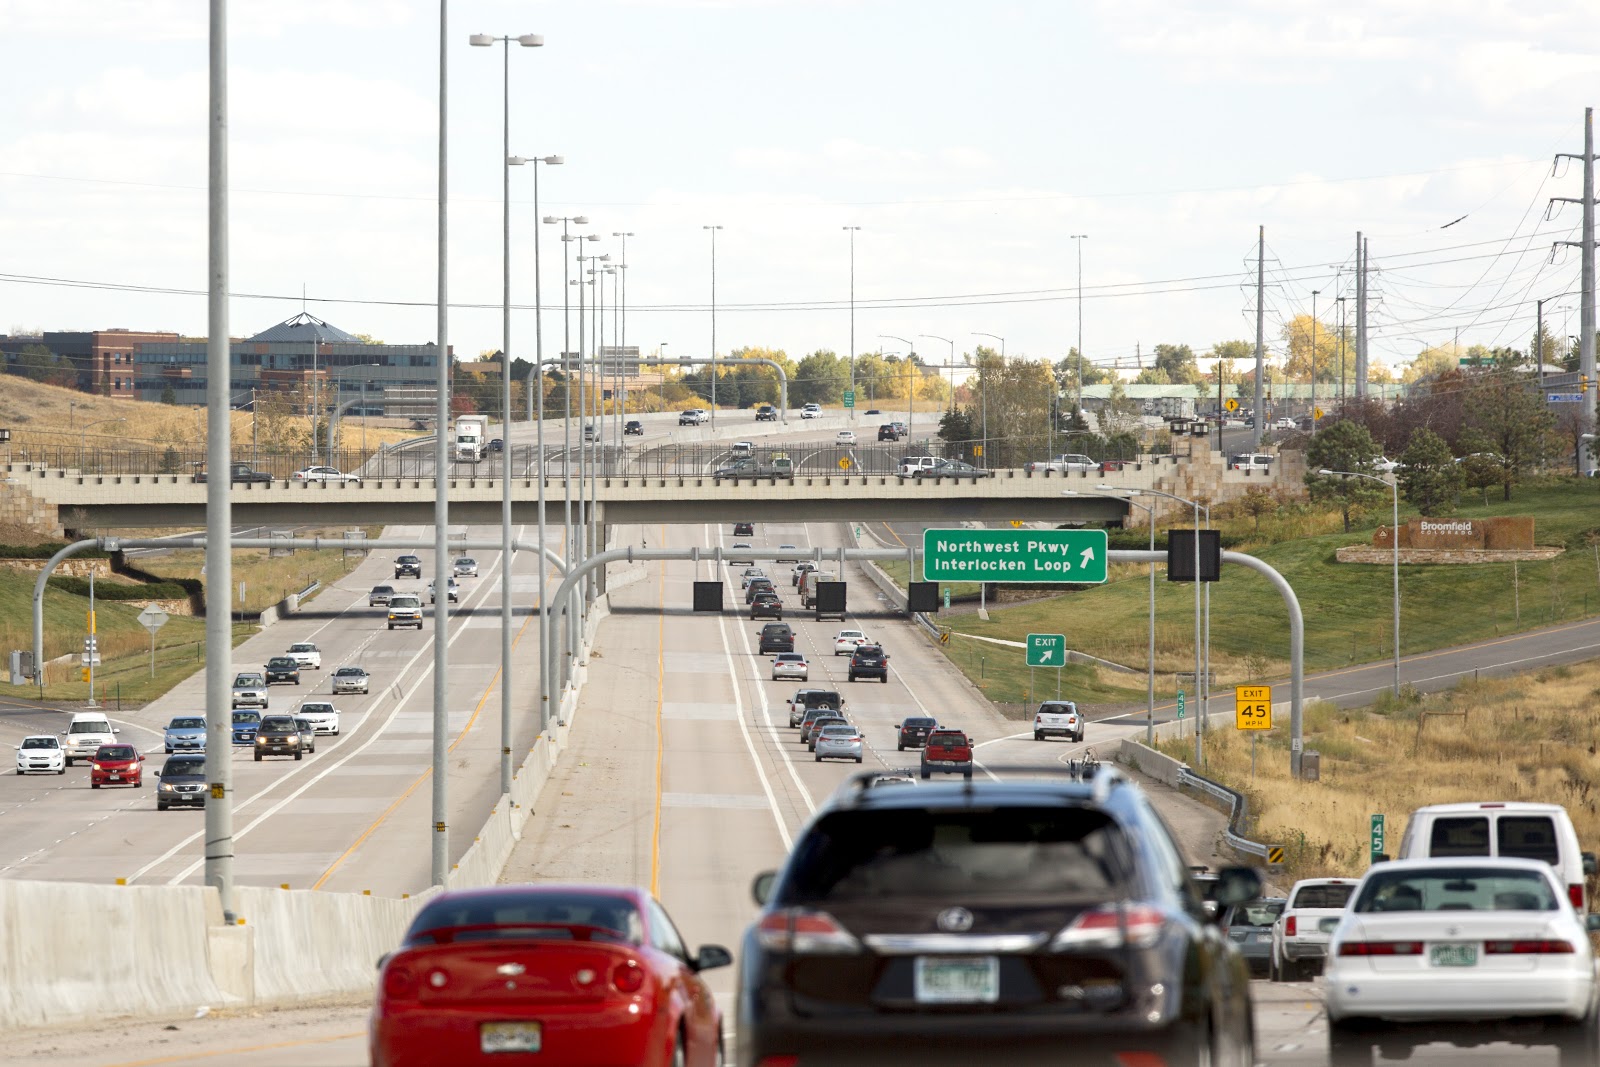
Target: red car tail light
x=399, y=983
x=778, y=1061
x=1575, y=894
x=805, y=933
x=1141, y=1059
x=1528, y=948
x=1289, y=926
x=1112, y=926
x=627, y=977
x=1381, y=948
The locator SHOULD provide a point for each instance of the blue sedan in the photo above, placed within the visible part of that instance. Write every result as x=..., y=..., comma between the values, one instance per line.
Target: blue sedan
x=186, y=732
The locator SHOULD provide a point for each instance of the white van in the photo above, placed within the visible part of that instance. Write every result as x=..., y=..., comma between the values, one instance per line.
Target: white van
x=1251, y=461
x=87, y=731
x=1502, y=828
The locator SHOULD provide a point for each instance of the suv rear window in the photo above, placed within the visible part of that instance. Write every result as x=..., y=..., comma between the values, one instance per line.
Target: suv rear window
x=929, y=723
x=1323, y=896
x=1074, y=853
x=1058, y=708
x=826, y=698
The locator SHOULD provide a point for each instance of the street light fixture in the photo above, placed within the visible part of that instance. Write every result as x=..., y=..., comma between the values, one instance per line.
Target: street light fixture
x=1394, y=538
x=484, y=40
x=911, y=388
x=952, y=344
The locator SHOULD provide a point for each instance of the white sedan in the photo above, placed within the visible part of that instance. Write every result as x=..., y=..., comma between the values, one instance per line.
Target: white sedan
x=845, y=642
x=324, y=717
x=1385, y=465
x=1466, y=943
x=845, y=437
x=791, y=665
x=325, y=474
x=306, y=654
x=41, y=752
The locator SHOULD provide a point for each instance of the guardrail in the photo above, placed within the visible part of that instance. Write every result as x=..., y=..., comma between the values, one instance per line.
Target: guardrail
x=1238, y=813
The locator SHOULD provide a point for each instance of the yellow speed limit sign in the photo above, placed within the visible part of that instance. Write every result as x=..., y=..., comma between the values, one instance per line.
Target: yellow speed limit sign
x=1252, y=707
x=1231, y=404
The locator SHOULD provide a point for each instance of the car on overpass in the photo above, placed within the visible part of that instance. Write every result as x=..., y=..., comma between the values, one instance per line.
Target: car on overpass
x=598, y=974
x=887, y=432
x=241, y=474
x=766, y=413
x=497, y=444
x=845, y=437
x=633, y=428
x=953, y=923
x=324, y=474
x=693, y=417
x=951, y=468
x=811, y=411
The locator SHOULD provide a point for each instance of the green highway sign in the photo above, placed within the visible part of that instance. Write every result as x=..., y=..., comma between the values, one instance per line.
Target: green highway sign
x=1377, y=837
x=1021, y=556
x=1180, y=703
x=849, y=398
x=1047, y=650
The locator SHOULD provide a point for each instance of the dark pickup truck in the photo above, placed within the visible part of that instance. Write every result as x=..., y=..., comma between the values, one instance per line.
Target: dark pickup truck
x=240, y=472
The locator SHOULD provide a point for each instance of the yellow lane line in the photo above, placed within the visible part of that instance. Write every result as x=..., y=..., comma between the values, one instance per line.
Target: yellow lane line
x=890, y=530
x=661, y=675
x=425, y=775
x=186, y=1056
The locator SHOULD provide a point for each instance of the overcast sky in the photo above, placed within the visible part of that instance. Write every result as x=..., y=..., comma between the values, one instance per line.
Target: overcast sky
x=969, y=141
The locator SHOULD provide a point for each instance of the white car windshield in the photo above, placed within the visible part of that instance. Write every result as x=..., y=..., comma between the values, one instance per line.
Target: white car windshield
x=40, y=742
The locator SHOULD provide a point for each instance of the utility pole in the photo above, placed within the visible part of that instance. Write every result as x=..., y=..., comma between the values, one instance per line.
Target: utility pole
x=852, y=231
x=1538, y=340
x=1078, y=370
x=1341, y=354
x=1586, y=367
x=1361, y=318
x=1261, y=333
x=1314, y=362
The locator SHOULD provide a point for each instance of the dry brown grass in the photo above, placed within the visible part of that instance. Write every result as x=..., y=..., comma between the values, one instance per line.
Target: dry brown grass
x=1530, y=737
x=48, y=416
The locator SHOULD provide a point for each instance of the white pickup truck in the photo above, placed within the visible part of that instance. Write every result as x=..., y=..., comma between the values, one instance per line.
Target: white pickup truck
x=1058, y=717
x=1301, y=934
x=1067, y=461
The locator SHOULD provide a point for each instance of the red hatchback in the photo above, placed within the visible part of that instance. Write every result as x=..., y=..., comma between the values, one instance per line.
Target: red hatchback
x=116, y=765
x=575, y=974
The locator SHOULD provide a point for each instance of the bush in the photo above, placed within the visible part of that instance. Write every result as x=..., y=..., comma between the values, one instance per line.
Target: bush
x=177, y=589
x=45, y=551
x=1140, y=539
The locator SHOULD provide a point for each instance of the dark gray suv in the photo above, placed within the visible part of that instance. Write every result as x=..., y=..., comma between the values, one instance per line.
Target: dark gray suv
x=1036, y=920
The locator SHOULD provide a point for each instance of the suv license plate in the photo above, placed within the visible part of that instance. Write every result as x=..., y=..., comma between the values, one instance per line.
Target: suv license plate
x=509, y=1037
x=1453, y=955
x=957, y=979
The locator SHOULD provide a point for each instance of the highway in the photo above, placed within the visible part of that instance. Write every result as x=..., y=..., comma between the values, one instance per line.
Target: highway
x=682, y=775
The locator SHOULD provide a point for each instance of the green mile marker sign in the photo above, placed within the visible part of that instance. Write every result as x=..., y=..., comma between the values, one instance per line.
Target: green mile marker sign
x=1022, y=556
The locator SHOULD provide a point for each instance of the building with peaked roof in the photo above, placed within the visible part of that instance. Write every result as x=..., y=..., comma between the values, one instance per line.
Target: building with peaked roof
x=301, y=352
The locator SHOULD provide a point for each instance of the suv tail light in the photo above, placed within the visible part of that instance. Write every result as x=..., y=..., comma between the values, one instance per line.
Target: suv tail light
x=1381, y=948
x=1575, y=894
x=805, y=933
x=1289, y=925
x=1528, y=948
x=1112, y=926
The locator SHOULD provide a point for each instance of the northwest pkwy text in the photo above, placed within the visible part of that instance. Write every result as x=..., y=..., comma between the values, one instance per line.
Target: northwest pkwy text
x=1002, y=556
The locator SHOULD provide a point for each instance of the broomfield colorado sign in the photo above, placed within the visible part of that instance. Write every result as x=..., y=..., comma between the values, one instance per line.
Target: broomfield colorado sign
x=1014, y=556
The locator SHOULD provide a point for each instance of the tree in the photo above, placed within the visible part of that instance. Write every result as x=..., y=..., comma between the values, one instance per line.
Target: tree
x=1431, y=363
x=1120, y=414
x=958, y=431
x=1302, y=359
x=1545, y=348
x=37, y=362
x=1178, y=363
x=1344, y=446
x=1078, y=371
x=1016, y=400
x=820, y=378
x=1152, y=376
x=1508, y=417
x=169, y=395
x=1570, y=428
x=1227, y=353
x=1257, y=503
x=1430, y=478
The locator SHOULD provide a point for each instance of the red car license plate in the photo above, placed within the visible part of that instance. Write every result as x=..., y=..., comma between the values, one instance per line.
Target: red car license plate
x=114, y=774
x=510, y=1037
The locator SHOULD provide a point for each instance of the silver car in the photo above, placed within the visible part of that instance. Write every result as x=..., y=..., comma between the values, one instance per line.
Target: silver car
x=838, y=742
x=186, y=732
x=452, y=589
x=466, y=567
x=797, y=706
x=350, y=680
x=250, y=691
x=791, y=665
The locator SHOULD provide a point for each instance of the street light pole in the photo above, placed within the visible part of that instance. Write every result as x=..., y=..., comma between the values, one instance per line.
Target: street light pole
x=713, y=230
x=952, y=344
x=441, y=576
x=852, y=231
x=911, y=391
x=1394, y=539
x=1314, y=362
x=1078, y=371
x=1150, y=655
x=566, y=423
x=622, y=330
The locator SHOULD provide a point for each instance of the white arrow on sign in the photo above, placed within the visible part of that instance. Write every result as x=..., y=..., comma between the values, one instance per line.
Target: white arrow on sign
x=1046, y=654
x=1088, y=557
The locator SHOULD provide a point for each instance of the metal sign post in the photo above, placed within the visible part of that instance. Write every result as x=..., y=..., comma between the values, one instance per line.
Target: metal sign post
x=152, y=618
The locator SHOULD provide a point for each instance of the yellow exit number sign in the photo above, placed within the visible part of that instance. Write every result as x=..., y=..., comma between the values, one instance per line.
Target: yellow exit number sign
x=1252, y=707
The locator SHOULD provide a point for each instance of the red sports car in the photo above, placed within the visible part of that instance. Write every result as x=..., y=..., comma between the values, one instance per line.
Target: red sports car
x=576, y=974
x=116, y=765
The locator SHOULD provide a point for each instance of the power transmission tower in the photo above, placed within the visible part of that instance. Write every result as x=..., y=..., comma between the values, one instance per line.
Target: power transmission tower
x=1361, y=317
x=1586, y=246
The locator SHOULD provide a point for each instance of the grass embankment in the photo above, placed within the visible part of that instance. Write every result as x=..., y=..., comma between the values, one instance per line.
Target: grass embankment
x=267, y=579
x=1530, y=737
x=51, y=417
x=1346, y=606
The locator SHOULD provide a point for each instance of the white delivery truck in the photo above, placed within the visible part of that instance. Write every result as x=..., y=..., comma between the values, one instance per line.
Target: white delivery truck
x=471, y=438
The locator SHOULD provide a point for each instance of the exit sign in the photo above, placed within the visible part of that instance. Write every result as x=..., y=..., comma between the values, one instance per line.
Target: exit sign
x=1047, y=650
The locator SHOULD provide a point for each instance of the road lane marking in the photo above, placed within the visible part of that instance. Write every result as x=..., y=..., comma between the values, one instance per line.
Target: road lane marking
x=377, y=735
x=184, y=1057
